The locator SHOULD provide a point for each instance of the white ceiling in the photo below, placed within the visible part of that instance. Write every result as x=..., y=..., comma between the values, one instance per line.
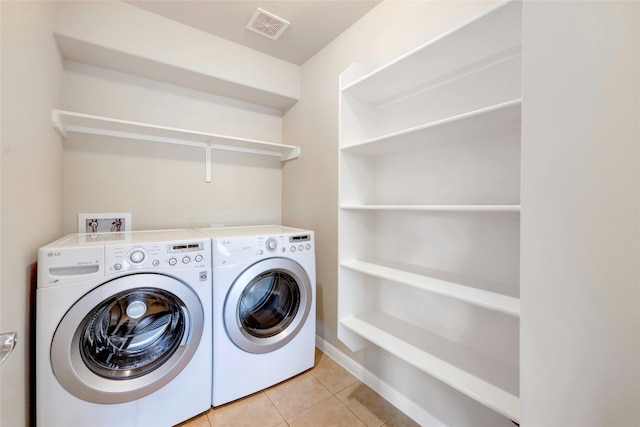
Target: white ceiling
x=314, y=23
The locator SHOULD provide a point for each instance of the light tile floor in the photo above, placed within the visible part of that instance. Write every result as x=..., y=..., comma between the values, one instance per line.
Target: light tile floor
x=325, y=396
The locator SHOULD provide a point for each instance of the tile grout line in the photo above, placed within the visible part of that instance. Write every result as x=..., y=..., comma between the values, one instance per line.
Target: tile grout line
x=275, y=407
x=354, y=414
x=315, y=404
x=331, y=394
x=334, y=395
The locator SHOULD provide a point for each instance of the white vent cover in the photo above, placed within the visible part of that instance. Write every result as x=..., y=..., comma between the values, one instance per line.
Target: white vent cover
x=267, y=24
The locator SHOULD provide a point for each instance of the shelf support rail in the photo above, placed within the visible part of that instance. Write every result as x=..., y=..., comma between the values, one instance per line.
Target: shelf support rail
x=65, y=123
x=207, y=162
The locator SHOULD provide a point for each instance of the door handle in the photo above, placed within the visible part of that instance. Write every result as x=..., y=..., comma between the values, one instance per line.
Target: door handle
x=7, y=344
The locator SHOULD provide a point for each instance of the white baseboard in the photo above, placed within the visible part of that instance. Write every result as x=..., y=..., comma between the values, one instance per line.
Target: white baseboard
x=397, y=399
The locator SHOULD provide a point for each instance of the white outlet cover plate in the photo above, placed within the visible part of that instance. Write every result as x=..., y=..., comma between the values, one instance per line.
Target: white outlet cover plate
x=105, y=221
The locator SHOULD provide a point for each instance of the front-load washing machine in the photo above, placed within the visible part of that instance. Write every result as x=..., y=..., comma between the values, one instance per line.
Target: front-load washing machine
x=123, y=329
x=263, y=307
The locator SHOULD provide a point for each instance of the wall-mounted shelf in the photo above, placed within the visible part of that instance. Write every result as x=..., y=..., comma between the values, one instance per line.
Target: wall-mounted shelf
x=459, y=367
x=67, y=123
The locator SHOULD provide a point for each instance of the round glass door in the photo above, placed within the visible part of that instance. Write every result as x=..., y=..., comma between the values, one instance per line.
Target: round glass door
x=267, y=305
x=132, y=333
x=127, y=338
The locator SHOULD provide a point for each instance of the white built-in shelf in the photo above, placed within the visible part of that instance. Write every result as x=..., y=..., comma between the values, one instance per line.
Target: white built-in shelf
x=487, y=39
x=433, y=208
x=67, y=123
x=490, y=295
x=501, y=119
x=463, y=369
x=439, y=125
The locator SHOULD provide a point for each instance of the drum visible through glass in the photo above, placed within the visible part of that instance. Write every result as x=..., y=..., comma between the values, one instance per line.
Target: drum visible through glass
x=268, y=304
x=132, y=333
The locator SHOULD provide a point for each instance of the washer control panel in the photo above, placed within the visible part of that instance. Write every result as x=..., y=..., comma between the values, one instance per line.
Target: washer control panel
x=192, y=254
x=271, y=244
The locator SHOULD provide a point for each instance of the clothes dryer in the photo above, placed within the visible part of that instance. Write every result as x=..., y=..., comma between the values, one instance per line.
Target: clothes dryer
x=123, y=329
x=264, y=299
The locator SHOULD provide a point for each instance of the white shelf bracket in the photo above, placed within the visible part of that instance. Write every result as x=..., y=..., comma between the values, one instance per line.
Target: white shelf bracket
x=57, y=124
x=207, y=162
x=293, y=154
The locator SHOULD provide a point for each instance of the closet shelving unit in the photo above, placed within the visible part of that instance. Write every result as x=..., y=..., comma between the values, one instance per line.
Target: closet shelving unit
x=67, y=123
x=429, y=208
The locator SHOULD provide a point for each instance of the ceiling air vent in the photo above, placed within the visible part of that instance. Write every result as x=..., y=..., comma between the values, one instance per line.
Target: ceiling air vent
x=268, y=25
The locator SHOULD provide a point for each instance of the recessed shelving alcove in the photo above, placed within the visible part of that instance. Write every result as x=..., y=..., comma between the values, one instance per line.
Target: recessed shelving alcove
x=429, y=208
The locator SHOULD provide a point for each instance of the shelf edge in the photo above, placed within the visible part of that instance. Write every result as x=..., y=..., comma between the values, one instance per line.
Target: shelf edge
x=437, y=123
x=434, y=208
x=466, y=383
x=433, y=41
x=285, y=152
x=479, y=297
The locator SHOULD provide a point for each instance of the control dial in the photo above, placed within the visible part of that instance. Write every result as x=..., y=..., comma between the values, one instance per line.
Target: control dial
x=271, y=244
x=136, y=256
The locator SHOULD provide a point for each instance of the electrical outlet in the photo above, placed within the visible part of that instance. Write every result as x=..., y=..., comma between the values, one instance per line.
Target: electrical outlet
x=103, y=222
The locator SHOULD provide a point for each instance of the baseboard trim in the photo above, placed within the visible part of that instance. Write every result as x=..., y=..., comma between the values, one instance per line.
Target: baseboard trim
x=397, y=399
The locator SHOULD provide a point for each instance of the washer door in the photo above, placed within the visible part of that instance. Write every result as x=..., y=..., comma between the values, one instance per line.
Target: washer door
x=267, y=305
x=127, y=338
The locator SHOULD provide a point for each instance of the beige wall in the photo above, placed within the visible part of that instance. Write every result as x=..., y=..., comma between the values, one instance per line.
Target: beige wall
x=580, y=280
x=163, y=185
x=31, y=179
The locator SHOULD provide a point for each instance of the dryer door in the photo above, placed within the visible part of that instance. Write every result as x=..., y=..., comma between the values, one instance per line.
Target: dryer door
x=267, y=305
x=127, y=338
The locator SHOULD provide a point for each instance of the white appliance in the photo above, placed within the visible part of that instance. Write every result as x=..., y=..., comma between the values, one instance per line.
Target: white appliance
x=264, y=302
x=123, y=329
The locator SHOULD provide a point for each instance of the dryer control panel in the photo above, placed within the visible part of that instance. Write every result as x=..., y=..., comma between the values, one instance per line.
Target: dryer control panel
x=178, y=255
x=282, y=244
x=300, y=243
x=227, y=251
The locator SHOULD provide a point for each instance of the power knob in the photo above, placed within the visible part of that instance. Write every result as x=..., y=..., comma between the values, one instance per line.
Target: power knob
x=272, y=244
x=137, y=256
